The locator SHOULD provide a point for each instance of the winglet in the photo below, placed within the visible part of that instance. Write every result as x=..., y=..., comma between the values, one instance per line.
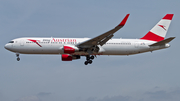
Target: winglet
x=168, y=16
x=124, y=20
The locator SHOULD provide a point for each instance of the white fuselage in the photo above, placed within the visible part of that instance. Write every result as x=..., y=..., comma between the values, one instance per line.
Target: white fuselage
x=54, y=46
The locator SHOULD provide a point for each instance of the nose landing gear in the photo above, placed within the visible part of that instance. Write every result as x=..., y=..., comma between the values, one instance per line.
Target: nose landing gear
x=89, y=59
x=17, y=55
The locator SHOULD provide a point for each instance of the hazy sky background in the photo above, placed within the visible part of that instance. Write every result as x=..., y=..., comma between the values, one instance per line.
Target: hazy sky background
x=143, y=77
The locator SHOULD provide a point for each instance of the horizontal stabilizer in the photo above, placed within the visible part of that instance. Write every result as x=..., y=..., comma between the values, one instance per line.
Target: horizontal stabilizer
x=163, y=42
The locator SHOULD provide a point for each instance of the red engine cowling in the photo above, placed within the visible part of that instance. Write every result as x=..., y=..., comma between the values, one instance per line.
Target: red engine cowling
x=67, y=57
x=70, y=49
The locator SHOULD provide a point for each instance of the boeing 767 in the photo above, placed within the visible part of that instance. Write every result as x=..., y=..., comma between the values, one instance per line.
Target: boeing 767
x=73, y=48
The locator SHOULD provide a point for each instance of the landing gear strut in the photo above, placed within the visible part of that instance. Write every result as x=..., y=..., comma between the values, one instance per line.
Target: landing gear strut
x=89, y=59
x=17, y=55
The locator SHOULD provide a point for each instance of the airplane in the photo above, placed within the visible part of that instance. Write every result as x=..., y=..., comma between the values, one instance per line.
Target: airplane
x=73, y=48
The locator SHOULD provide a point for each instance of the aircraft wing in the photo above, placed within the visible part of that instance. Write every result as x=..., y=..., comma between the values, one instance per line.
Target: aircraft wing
x=103, y=38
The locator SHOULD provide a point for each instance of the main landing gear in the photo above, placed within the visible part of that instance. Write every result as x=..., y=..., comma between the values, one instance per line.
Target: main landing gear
x=17, y=55
x=89, y=59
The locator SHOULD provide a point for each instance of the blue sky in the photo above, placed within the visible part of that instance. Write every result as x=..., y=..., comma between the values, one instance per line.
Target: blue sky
x=143, y=77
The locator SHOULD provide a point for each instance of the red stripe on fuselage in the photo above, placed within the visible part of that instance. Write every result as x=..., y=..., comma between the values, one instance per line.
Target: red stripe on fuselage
x=35, y=41
x=153, y=37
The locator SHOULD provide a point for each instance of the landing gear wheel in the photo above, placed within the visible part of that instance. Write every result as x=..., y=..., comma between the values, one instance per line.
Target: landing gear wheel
x=89, y=61
x=17, y=55
x=86, y=62
x=92, y=57
x=18, y=59
x=87, y=58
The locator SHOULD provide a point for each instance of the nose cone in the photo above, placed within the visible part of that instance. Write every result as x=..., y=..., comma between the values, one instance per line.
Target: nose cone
x=8, y=46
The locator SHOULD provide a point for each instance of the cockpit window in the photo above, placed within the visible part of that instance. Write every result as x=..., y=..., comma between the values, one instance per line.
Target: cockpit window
x=11, y=41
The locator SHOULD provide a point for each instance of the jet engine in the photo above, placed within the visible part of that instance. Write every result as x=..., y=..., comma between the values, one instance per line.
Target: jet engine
x=70, y=49
x=67, y=57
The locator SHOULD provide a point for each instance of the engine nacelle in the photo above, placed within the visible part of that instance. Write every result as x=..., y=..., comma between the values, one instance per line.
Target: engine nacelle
x=67, y=57
x=70, y=49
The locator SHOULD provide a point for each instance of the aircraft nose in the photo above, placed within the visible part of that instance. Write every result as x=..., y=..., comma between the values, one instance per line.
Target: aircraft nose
x=7, y=46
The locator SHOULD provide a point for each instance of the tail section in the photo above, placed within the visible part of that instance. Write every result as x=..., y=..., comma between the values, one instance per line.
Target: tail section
x=158, y=32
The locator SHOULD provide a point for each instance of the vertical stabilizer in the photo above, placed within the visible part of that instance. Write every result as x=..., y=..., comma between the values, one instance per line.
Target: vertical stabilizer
x=158, y=32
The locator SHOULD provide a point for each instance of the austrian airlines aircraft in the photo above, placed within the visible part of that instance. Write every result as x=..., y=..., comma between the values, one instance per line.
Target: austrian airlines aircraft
x=74, y=48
